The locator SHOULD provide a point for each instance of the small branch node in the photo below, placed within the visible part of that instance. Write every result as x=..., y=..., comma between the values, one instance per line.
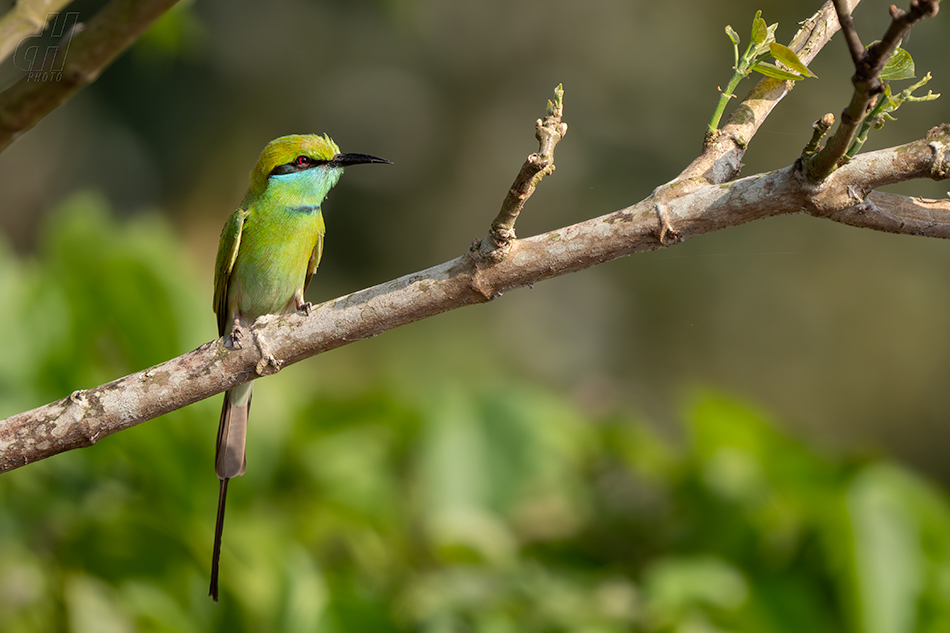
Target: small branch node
x=503, y=235
x=729, y=96
x=820, y=127
x=666, y=233
x=855, y=193
x=267, y=366
x=869, y=207
x=940, y=168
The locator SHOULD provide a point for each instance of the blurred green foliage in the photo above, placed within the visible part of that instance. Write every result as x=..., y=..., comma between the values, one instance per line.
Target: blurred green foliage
x=480, y=505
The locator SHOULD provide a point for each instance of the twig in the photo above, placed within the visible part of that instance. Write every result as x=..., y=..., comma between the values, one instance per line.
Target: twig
x=821, y=127
x=881, y=111
x=855, y=47
x=548, y=131
x=110, y=31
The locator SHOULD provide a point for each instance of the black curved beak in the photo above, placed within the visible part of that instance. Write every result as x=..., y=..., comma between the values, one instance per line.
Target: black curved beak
x=342, y=160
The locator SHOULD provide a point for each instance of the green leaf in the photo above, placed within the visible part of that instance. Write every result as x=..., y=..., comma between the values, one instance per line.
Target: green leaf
x=676, y=584
x=890, y=567
x=762, y=35
x=788, y=57
x=760, y=30
x=731, y=32
x=899, y=66
x=773, y=71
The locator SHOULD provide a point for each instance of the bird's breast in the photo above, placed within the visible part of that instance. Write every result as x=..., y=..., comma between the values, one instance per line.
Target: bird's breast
x=272, y=260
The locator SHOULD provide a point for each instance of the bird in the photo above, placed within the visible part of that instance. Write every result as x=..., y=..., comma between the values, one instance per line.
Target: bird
x=270, y=248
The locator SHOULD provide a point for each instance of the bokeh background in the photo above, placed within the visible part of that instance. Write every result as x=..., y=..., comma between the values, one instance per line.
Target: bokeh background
x=746, y=431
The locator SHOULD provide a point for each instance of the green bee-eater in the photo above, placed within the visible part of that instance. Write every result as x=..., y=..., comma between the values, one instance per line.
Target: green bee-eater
x=270, y=247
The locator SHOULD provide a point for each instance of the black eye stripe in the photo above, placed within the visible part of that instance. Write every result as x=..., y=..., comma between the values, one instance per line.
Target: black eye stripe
x=295, y=166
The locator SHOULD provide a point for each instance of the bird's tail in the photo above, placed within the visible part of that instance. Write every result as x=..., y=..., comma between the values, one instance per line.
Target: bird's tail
x=229, y=460
x=218, y=529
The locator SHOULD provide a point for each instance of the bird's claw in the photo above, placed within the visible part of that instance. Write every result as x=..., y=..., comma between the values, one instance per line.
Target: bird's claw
x=234, y=338
x=306, y=307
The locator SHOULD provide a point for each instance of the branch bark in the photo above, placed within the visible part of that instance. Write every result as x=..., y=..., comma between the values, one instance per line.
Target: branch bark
x=694, y=204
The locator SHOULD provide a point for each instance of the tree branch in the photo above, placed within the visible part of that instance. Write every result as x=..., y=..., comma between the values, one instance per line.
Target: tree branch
x=892, y=213
x=26, y=19
x=868, y=64
x=692, y=205
x=86, y=416
x=110, y=31
x=548, y=131
x=721, y=158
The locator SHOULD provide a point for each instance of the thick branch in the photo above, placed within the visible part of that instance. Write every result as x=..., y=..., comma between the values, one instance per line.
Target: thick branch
x=89, y=415
x=892, y=213
x=113, y=29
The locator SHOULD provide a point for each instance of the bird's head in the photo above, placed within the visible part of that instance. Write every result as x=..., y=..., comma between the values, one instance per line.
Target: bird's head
x=310, y=159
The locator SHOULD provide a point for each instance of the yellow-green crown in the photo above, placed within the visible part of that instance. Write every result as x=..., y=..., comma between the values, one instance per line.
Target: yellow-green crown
x=285, y=149
x=302, y=152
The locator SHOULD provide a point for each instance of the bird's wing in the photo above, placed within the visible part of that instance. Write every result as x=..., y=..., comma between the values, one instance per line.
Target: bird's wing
x=224, y=264
x=316, y=254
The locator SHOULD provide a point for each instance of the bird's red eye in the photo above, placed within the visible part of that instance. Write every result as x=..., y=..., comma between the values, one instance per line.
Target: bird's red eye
x=302, y=160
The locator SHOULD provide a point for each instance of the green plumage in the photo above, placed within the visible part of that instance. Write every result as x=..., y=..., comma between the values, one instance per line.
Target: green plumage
x=270, y=247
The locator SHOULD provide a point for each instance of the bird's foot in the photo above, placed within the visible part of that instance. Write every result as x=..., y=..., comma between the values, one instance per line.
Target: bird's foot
x=234, y=338
x=306, y=307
